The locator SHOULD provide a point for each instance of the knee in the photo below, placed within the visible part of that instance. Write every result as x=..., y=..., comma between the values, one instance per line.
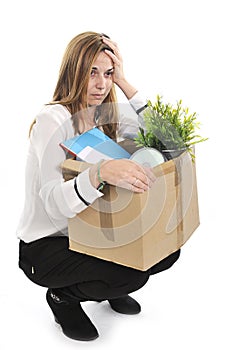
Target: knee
x=117, y=285
x=165, y=263
x=134, y=279
x=171, y=259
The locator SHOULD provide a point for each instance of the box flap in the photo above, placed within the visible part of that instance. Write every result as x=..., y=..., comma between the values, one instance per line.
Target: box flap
x=76, y=167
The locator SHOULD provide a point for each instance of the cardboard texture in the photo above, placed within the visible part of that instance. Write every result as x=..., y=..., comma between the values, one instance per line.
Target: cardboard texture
x=138, y=230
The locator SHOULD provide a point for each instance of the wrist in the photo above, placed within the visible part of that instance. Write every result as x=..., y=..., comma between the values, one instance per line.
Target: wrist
x=93, y=175
x=100, y=180
x=128, y=89
x=97, y=177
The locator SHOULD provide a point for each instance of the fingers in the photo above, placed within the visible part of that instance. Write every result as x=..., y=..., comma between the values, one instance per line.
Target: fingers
x=128, y=174
x=143, y=179
x=111, y=44
x=130, y=187
x=116, y=57
x=134, y=184
x=148, y=175
x=113, y=57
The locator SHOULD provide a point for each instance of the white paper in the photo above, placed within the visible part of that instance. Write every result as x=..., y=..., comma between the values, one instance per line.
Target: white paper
x=90, y=155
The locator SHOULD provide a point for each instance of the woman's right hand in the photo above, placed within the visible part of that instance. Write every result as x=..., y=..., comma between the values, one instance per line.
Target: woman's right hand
x=124, y=173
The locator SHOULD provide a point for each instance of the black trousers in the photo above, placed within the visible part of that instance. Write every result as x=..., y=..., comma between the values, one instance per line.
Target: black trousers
x=49, y=262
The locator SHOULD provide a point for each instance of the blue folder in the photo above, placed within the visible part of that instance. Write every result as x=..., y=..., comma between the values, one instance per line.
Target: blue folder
x=96, y=139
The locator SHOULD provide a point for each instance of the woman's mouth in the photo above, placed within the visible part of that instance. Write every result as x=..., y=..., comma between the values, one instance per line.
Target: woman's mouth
x=98, y=96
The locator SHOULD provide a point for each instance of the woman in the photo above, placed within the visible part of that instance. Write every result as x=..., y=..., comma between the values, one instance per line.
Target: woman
x=84, y=97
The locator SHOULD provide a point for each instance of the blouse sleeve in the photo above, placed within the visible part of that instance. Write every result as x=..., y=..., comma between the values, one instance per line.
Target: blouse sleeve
x=59, y=197
x=131, y=116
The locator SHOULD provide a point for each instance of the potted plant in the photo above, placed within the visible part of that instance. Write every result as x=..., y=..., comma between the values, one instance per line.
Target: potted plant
x=170, y=129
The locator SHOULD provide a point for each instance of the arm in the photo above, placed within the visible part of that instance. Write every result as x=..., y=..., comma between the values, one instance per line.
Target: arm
x=123, y=172
x=59, y=198
x=138, y=103
x=119, y=77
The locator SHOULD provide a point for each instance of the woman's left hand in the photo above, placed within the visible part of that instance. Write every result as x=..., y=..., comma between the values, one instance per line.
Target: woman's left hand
x=116, y=58
x=118, y=75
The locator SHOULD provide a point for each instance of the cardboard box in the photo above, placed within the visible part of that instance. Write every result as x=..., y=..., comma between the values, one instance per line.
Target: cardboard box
x=138, y=230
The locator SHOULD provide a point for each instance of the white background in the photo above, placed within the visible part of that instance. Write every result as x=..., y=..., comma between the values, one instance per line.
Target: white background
x=180, y=49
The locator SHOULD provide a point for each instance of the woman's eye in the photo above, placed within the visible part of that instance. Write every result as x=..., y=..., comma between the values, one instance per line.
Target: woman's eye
x=93, y=73
x=109, y=74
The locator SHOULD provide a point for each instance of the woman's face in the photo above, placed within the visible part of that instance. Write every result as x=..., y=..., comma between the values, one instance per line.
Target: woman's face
x=100, y=81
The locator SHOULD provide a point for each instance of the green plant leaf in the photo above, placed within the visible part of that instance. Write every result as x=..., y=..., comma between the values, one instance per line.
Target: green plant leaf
x=169, y=126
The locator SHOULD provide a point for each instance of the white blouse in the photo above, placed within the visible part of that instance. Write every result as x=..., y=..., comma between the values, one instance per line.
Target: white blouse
x=49, y=200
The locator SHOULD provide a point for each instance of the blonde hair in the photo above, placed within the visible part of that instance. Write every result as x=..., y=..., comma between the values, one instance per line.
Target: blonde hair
x=74, y=74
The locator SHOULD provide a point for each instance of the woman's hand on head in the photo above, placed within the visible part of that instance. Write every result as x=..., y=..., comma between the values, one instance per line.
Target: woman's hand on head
x=127, y=174
x=116, y=58
x=118, y=75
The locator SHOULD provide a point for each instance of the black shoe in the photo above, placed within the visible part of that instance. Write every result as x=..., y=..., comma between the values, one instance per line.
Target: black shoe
x=125, y=305
x=69, y=314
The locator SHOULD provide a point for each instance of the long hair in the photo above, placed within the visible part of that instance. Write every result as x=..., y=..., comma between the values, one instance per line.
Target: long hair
x=74, y=74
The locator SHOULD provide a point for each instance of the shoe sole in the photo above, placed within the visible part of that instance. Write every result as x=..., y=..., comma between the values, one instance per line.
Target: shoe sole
x=80, y=339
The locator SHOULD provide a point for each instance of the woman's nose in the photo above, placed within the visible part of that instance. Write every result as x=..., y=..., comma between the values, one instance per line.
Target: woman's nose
x=100, y=83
